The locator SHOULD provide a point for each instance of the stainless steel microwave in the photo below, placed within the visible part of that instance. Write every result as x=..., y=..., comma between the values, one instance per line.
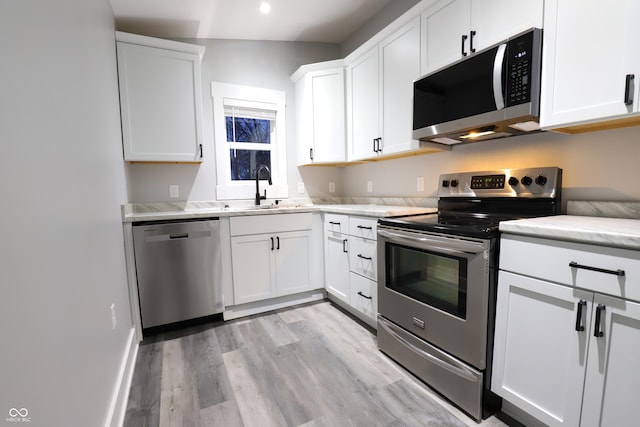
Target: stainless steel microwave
x=494, y=93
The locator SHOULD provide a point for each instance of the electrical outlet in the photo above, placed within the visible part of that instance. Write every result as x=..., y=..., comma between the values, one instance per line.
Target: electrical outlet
x=301, y=187
x=174, y=191
x=420, y=183
x=114, y=321
x=369, y=186
x=332, y=187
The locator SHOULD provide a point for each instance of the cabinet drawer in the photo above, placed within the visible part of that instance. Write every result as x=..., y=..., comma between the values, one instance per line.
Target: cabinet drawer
x=336, y=224
x=363, y=227
x=363, y=257
x=550, y=260
x=363, y=295
x=259, y=224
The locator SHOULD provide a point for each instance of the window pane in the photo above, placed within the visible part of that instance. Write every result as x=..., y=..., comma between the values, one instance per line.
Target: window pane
x=243, y=129
x=245, y=162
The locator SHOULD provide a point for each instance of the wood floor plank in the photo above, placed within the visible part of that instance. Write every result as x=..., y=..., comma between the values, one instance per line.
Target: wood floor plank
x=178, y=401
x=229, y=337
x=277, y=329
x=226, y=414
x=143, y=407
x=256, y=409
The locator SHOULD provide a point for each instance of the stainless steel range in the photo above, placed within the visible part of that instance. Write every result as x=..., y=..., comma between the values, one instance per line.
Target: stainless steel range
x=437, y=278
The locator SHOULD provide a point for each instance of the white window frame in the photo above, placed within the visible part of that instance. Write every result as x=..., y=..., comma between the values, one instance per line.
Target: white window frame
x=250, y=97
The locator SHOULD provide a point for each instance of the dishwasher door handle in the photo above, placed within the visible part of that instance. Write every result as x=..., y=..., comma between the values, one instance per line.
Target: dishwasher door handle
x=179, y=236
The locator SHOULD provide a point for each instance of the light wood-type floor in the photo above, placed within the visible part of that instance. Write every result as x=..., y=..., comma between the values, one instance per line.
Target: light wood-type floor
x=310, y=365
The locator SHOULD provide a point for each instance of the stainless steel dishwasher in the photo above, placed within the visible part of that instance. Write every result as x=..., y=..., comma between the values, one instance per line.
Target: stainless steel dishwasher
x=178, y=266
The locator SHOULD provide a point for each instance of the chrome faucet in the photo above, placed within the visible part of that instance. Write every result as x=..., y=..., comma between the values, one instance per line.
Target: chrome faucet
x=258, y=196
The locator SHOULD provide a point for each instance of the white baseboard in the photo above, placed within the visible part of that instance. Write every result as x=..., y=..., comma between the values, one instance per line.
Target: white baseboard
x=237, y=311
x=118, y=405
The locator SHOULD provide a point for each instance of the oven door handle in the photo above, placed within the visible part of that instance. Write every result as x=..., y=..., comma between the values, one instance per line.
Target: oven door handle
x=433, y=244
x=460, y=371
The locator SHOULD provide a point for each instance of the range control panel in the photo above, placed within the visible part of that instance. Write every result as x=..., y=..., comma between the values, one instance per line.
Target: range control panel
x=530, y=182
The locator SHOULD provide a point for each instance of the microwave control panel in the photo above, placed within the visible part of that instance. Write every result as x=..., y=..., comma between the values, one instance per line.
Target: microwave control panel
x=519, y=70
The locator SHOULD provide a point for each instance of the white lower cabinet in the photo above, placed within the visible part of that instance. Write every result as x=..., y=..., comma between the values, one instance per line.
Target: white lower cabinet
x=273, y=263
x=564, y=354
x=351, y=264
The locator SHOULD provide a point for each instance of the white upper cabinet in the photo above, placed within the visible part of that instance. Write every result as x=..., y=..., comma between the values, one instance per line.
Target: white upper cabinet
x=160, y=99
x=590, y=49
x=454, y=29
x=380, y=95
x=320, y=115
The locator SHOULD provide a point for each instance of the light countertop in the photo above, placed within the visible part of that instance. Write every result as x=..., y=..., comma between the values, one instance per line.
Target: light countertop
x=196, y=210
x=613, y=232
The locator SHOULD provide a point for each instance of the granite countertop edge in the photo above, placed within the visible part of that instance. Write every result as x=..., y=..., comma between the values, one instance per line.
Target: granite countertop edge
x=203, y=212
x=612, y=232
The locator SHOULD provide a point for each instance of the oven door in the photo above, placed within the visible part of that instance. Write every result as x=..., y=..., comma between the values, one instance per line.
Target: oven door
x=437, y=287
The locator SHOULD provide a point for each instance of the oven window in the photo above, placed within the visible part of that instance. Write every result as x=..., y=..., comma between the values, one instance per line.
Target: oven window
x=432, y=278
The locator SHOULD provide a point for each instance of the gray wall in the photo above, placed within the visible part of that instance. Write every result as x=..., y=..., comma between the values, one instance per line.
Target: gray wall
x=62, y=262
x=253, y=63
x=596, y=166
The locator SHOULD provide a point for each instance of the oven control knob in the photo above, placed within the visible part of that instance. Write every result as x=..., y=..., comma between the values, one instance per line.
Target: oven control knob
x=454, y=182
x=513, y=181
x=541, y=180
x=445, y=183
x=526, y=180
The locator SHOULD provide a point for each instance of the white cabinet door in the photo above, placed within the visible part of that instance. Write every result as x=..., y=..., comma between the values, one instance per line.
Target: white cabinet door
x=253, y=268
x=539, y=356
x=444, y=25
x=161, y=104
x=364, y=296
x=292, y=262
x=321, y=117
x=337, y=265
x=589, y=48
x=611, y=392
x=454, y=29
x=496, y=20
x=363, y=106
x=400, y=62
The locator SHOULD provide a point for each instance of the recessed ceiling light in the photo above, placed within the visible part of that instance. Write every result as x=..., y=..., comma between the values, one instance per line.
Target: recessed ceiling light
x=265, y=7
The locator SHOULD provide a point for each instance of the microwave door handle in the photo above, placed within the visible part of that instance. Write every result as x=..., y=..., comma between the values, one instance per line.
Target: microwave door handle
x=433, y=245
x=498, y=94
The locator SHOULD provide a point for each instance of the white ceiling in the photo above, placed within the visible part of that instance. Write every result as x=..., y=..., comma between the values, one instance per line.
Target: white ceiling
x=330, y=21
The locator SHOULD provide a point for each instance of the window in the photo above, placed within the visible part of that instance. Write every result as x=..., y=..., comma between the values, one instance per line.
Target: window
x=249, y=133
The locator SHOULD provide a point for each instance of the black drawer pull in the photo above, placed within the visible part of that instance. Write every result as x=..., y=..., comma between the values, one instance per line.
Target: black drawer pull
x=618, y=272
x=597, y=332
x=362, y=227
x=628, y=89
x=364, y=296
x=579, y=326
x=334, y=223
x=368, y=258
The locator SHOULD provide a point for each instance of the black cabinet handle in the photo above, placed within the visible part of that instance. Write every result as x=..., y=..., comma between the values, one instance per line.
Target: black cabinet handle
x=271, y=242
x=364, y=296
x=379, y=143
x=311, y=153
x=334, y=223
x=278, y=243
x=471, y=48
x=201, y=152
x=628, y=89
x=374, y=145
x=464, y=38
x=362, y=227
x=618, y=272
x=344, y=246
x=368, y=258
x=579, y=326
x=597, y=332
